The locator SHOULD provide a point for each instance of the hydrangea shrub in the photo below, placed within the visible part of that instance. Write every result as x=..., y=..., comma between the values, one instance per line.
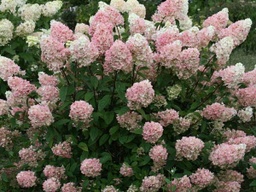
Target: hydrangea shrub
x=129, y=104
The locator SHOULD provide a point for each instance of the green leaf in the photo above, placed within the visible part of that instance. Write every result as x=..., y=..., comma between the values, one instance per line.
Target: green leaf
x=88, y=96
x=108, y=117
x=105, y=157
x=137, y=131
x=103, y=139
x=63, y=93
x=61, y=122
x=94, y=132
x=104, y=102
x=113, y=130
x=253, y=183
x=126, y=138
x=94, y=81
x=83, y=146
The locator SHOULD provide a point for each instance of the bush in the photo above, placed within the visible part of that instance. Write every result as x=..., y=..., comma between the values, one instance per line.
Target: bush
x=130, y=104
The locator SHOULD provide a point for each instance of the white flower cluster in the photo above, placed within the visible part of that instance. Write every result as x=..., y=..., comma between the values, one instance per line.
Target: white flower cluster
x=6, y=31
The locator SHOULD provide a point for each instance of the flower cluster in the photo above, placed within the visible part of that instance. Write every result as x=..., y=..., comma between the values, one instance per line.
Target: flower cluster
x=126, y=170
x=52, y=171
x=152, y=131
x=62, y=149
x=129, y=120
x=26, y=179
x=91, y=167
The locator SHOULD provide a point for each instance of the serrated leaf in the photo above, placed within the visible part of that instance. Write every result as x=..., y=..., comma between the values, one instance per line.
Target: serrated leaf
x=83, y=146
x=104, y=102
x=63, y=93
x=88, y=96
x=108, y=117
x=113, y=130
x=103, y=139
x=94, y=81
x=94, y=132
x=105, y=157
x=61, y=122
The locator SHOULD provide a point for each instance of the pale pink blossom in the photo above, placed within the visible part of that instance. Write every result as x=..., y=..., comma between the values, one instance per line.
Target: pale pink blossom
x=152, y=131
x=136, y=24
x=249, y=78
x=3, y=107
x=52, y=171
x=53, y=53
x=81, y=28
x=188, y=38
x=20, y=87
x=118, y=4
x=103, y=37
x=141, y=52
x=91, y=167
x=159, y=155
x=238, y=31
x=205, y=35
x=141, y=94
x=202, y=178
x=232, y=134
x=51, y=185
x=48, y=93
x=5, y=137
x=83, y=51
x=251, y=172
x=26, y=179
x=126, y=170
x=231, y=175
x=231, y=186
x=167, y=117
x=28, y=155
x=40, y=115
x=118, y=58
x=8, y=68
x=249, y=141
x=60, y=32
x=182, y=184
x=181, y=125
x=130, y=120
x=246, y=114
x=133, y=6
x=62, y=149
x=247, y=96
x=151, y=184
x=81, y=111
x=189, y=148
x=218, y=20
x=70, y=187
x=109, y=188
x=217, y=111
x=227, y=155
x=45, y=79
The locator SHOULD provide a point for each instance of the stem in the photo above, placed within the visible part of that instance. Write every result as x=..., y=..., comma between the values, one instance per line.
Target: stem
x=113, y=91
x=94, y=91
x=65, y=76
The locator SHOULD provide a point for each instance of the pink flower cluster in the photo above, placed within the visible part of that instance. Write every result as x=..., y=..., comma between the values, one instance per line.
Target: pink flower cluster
x=26, y=179
x=61, y=32
x=151, y=183
x=238, y=31
x=40, y=115
x=8, y=68
x=83, y=51
x=202, y=178
x=52, y=171
x=181, y=125
x=28, y=155
x=5, y=137
x=130, y=120
x=231, y=175
x=247, y=96
x=167, y=36
x=152, y=131
x=51, y=185
x=62, y=149
x=53, y=53
x=126, y=170
x=182, y=184
x=141, y=52
x=91, y=167
x=141, y=94
x=249, y=78
x=70, y=187
x=109, y=188
x=189, y=148
x=159, y=155
x=118, y=58
x=249, y=141
x=227, y=155
x=251, y=172
x=81, y=111
x=232, y=134
x=48, y=93
x=20, y=87
x=217, y=111
x=3, y=107
x=47, y=80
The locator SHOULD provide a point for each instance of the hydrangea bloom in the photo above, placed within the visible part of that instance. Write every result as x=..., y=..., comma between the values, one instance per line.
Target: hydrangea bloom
x=40, y=115
x=83, y=51
x=60, y=32
x=249, y=78
x=6, y=31
x=159, y=155
x=26, y=179
x=25, y=28
x=70, y=187
x=91, y=167
x=231, y=175
x=152, y=131
x=50, y=8
x=181, y=184
x=81, y=111
x=246, y=114
x=251, y=172
x=28, y=155
x=8, y=68
x=189, y=148
x=141, y=94
x=247, y=96
x=51, y=185
x=126, y=170
x=117, y=58
x=48, y=93
x=52, y=171
x=151, y=183
x=249, y=141
x=217, y=111
x=62, y=149
x=20, y=87
x=3, y=107
x=133, y=6
x=202, y=178
x=47, y=80
x=129, y=120
x=167, y=117
x=30, y=12
x=109, y=188
x=227, y=155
